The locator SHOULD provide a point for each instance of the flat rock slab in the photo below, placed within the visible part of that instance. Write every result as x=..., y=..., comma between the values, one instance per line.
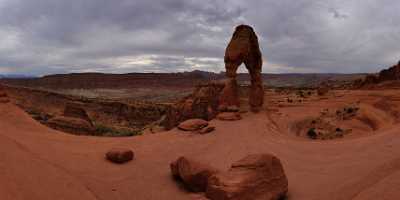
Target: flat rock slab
x=120, y=155
x=194, y=175
x=229, y=116
x=193, y=125
x=255, y=177
x=207, y=130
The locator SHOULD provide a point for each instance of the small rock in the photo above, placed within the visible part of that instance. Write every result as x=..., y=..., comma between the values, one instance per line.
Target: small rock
x=229, y=116
x=193, y=124
x=256, y=177
x=120, y=155
x=194, y=175
x=206, y=130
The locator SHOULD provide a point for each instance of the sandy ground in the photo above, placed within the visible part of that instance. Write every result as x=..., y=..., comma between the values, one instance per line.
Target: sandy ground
x=39, y=163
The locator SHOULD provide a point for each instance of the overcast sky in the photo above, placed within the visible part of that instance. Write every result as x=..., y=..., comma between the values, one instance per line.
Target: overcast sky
x=119, y=36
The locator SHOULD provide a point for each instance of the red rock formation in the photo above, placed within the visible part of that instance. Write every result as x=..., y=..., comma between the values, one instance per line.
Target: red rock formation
x=75, y=110
x=390, y=74
x=259, y=176
x=3, y=95
x=202, y=104
x=73, y=120
x=194, y=175
x=243, y=48
x=393, y=73
x=71, y=125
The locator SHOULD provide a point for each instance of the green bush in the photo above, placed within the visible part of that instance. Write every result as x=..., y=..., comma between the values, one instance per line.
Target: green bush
x=102, y=130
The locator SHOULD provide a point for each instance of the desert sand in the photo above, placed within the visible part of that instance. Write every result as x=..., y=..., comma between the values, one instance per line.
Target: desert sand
x=37, y=162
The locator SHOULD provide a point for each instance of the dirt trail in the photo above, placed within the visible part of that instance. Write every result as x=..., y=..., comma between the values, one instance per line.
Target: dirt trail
x=40, y=163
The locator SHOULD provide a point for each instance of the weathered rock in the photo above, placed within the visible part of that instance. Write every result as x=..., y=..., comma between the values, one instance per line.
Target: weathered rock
x=193, y=174
x=393, y=73
x=75, y=110
x=255, y=177
x=71, y=125
x=206, y=130
x=390, y=74
x=120, y=155
x=243, y=48
x=230, y=96
x=202, y=104
x=229, y=116
x=193, y=124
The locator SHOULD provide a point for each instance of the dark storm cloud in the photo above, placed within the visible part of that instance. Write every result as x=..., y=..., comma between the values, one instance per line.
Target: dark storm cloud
x=60, y=36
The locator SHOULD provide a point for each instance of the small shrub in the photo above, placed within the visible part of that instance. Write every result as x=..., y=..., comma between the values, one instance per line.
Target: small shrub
x=311, y=133
x=101, y=130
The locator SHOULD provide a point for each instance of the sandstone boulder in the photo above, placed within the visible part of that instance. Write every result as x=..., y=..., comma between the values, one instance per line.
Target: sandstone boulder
x=193, y=175
x=120, y=155
x=193, y=125
x=71, y=125
x=229, y=116
x=255, y=177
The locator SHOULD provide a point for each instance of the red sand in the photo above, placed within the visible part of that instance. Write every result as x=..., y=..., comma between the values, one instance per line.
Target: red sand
x=39, y=163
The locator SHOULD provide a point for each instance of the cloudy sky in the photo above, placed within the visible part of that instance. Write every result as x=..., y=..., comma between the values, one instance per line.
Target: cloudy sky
x=117, y=36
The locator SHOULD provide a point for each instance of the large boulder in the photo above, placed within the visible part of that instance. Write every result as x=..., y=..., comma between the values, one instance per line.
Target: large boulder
x=201, y=104
x=193, y=174
x=120, y=155
x=193, y=125
x=255, y=177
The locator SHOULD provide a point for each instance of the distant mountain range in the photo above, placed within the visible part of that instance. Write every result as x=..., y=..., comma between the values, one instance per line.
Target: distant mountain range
x=2, y=76
x=178, y=80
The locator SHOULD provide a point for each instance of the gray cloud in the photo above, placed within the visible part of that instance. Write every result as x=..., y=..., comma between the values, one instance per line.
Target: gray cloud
x=60, y=36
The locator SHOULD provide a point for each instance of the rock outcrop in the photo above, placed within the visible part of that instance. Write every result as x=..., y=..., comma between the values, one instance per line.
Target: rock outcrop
x=75, y=110
x=243, y=48
x=193, y=125
x=393, y=73
x=255, y=177
x=390, y=74
x=3, y=95
x=202, y=104
x=71, y=125
x=120, y=155
x=193, y=174
x=73, y=120
x=229, y=116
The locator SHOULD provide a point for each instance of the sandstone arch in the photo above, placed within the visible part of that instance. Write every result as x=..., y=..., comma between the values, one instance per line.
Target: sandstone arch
x=243, y=48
